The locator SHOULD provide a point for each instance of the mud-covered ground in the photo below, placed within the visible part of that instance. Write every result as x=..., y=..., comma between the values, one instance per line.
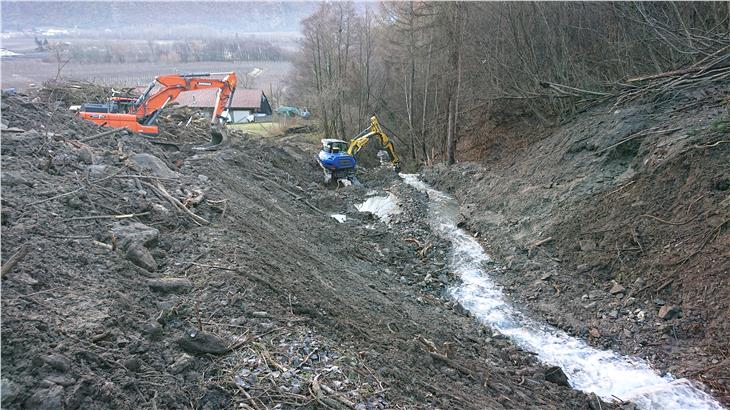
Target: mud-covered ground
x=614, y=226
x=140, y=274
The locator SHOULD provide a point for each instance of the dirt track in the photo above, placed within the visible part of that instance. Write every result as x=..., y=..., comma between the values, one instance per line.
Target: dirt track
x=122, y=299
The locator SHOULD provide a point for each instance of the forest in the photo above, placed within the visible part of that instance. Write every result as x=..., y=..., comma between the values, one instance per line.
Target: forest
x=435, y=70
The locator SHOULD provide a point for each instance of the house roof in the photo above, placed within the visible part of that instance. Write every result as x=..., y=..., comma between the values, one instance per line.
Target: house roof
x=242, y=98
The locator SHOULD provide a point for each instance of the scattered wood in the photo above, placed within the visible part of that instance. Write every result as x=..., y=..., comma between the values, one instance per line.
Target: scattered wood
x=531, y=247
x=620, y=188
x=124, y=216
x=297, y=197
x=337, y=396
x=103, y=245
x=453, y=364
x=637, y=135
x=17, y=257
x=656, y=218
x=102, y=134
x=160, y=190
x=571, y=91
x=716, y=143
x=413, y=240
x=56, y=197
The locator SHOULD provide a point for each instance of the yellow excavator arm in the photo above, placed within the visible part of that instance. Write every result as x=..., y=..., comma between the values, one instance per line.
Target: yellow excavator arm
x=375, y=129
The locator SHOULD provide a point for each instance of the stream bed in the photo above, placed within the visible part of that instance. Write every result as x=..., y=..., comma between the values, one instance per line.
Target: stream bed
x=608, y=374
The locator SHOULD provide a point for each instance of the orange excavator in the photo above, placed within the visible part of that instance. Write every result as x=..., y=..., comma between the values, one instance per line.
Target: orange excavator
x=140, y=114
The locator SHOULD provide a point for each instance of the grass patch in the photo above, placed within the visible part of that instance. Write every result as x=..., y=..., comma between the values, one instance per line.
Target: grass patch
x=264, y=129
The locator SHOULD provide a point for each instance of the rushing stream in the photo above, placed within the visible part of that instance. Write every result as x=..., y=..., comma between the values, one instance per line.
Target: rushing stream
x=606, y=373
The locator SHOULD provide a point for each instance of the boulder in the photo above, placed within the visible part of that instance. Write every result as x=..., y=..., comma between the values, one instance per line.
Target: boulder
x=152, y=165
x=616, y=289
x=587, y=245
x=10, y=178
x=135, y=233
x=556, y=375
x=171, y=285
x=57, y=361
x=9, y=391
x=141, y=256
x=201, y=343
x=668, y=312
x=46, y=399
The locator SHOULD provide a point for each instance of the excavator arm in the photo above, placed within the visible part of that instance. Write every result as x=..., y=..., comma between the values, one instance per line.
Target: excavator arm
x=375, y=130
x=149, y=105
x=140, y=115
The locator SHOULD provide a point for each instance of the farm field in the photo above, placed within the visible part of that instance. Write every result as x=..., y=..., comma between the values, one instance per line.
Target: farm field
x=22, y=73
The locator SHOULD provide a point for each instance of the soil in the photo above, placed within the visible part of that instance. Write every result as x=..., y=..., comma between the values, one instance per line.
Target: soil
x=614, y=225
x=140, y=273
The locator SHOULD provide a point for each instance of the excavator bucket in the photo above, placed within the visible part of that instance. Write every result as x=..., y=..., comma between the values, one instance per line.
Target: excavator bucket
x=218, y=139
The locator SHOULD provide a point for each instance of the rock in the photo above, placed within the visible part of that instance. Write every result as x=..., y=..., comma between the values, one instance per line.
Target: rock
x=170, y=285
x=79, y=393
x=46, y=399
x=57, y=361
x=449, y=372
x=596, y=294
x=141, y=256
x=8, y=391
x=616, y=289
x=135, y=233
x=556, y=375
x=13, y=179
x=594, y=403
x=86, y=156
x=152, y=165
x=181, y=364
x=546, y=276
x=613, y=314
x=668, y=312
x=583, y=268
x=587, y=245
x=96, y=171
x=153, y=330
x=132, y=364
x=202, y=343
x=61, y=380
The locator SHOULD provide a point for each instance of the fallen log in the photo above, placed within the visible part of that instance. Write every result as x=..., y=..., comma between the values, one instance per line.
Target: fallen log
x=17, y=257
x=102, y=134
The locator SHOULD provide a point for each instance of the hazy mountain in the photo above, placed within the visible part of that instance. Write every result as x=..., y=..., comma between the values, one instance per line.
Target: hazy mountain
x=126, y=19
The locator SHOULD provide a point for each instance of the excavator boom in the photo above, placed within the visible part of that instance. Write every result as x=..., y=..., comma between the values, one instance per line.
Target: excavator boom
x=375, y=130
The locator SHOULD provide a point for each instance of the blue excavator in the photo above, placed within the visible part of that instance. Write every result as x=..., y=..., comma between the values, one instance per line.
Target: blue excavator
x=338, y=158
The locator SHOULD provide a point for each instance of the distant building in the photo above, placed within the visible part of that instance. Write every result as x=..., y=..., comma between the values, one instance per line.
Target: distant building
x=247, y=103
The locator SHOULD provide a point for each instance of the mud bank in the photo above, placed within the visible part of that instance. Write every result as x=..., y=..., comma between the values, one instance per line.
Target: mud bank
x=143, y=274
x=614, y=227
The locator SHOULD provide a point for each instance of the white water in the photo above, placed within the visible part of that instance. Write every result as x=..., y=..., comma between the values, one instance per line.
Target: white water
x=603, y=372
x=339, y=217
x=381, y=206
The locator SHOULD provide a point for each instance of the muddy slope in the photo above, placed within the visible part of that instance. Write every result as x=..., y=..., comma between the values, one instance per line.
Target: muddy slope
x=614, y=226
x=149, y=275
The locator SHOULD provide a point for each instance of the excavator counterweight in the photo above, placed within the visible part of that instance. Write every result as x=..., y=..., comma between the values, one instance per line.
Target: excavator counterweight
x=140, y=114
